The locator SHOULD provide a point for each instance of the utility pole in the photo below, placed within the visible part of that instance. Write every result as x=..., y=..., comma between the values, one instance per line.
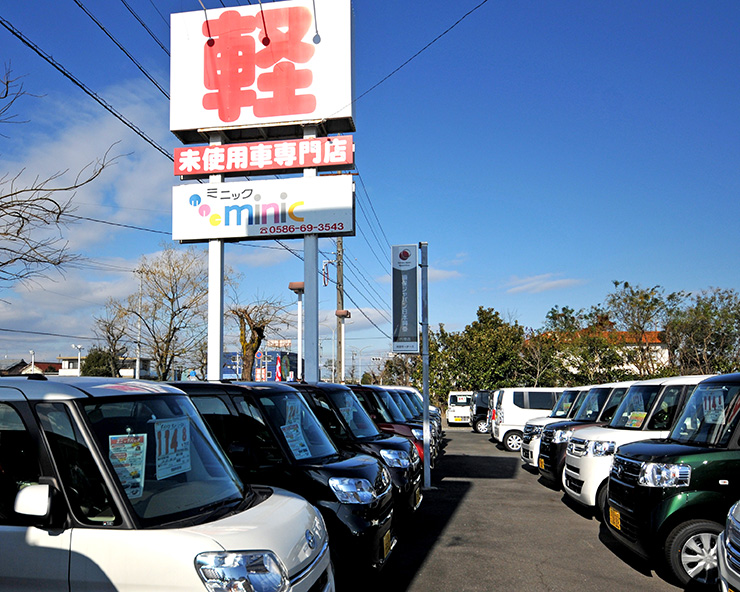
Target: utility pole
x=340, y=303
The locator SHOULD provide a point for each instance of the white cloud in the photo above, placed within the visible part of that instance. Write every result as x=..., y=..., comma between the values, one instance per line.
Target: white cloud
x=540, y=283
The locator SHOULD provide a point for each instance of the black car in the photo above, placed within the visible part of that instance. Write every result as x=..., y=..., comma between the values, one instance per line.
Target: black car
x=479, y=410
x=271, y=437
x=389, y=418
x=597, y=409
x=349, y=425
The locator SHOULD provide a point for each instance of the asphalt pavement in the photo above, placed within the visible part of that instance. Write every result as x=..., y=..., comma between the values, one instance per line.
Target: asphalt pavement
x=489, y=524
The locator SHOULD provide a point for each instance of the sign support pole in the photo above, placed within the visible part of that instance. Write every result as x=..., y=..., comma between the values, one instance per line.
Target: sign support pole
x=311, y=283
x=214, y=367
x=425, y=358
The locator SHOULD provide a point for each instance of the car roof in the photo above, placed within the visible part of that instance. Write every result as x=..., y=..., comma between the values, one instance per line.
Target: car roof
x=733, y=378
x=75, y=387
x=669, y=380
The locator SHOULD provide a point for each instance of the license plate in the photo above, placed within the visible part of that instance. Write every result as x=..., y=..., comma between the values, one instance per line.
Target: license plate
x=615, y=518
x=542, y=463
x=387, y=538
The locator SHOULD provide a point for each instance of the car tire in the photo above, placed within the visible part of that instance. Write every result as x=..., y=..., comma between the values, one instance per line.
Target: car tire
x=691, y=553
x=480, y=426
x=513, y=441
x=601, y=511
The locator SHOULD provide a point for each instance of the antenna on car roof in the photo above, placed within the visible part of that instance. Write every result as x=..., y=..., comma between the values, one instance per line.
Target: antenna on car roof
x=35, y=376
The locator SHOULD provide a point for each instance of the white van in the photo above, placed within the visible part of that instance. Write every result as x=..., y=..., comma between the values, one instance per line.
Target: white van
x=109, y=484
x=458, y=407
x=514, y=407
x=647, y=411
x=566, y=407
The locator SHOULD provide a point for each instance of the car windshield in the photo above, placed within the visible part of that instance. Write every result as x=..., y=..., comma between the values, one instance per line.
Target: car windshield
x=297, y=427
x=163, y=457
x=592, y=405
x=412, y=401
x=353, y=413
x=613, y=403
x=565, y=403
x=635, y=407
x=710, y=417
x=390, y=405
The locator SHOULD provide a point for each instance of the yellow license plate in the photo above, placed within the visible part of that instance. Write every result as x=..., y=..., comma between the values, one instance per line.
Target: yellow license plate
x=387, y=543
x=615, y=518
x=542, y=463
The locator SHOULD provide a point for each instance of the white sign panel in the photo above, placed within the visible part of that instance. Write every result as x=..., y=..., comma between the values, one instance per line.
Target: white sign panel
x=405, y=299
x=279, y=208
x=267, y=63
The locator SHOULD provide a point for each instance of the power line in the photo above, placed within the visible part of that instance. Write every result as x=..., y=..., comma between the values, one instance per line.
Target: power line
x=141, y=22
x=83, y=87
x=122, y=48
x=47, y=334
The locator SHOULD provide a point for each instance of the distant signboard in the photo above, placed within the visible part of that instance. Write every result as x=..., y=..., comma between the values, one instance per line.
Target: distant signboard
x=280, y=208
x=405, y=299
x=261, y=65
x=334, y=152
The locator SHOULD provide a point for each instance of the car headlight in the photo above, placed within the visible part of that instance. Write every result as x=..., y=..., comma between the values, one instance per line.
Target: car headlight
x=352, y=491
x=395, y=458
x=561, y=436
x=225, y=571
x=602, y=448
x=664, y=475
x=417, y=433
x=414, y=456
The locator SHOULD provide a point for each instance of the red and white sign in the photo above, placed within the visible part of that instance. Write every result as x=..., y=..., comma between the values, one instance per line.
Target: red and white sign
x=254, y=65
x=337, y=151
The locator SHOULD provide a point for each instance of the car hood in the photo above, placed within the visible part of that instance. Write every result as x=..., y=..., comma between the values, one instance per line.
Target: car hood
x=618, y=436
x=658, y=450
x=354, y=466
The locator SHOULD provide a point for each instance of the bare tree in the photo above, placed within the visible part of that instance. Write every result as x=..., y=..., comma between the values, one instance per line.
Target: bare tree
x=34, y=215
x=253, y=321
x=171, y=306
x=110, y=328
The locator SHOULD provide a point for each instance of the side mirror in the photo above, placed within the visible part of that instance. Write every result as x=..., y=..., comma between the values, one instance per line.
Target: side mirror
x=34, y=500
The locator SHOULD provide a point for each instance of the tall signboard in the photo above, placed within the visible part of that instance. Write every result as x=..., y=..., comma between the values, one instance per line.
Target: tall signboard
x=268, y=87
x=405, y=299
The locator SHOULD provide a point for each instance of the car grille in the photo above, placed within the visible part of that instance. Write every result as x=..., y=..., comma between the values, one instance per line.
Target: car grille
x=623, y=491
x=732, y=543
x=547, y=435
x=578, y=447
x=575, y=485
x=532, y=431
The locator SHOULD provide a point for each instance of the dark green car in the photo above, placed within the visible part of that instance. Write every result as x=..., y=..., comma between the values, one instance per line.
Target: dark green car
x=668, y=499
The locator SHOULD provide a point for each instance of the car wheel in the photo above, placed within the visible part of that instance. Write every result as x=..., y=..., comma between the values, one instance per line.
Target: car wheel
x=691, y=552
x=513, y=441
x=601, y=511
x=480, y=426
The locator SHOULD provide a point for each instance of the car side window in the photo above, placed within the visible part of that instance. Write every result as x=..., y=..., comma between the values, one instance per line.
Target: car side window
x=666, y=410
x=88, y=495
x=19, y=464
x=541, y=400
x=519, y=399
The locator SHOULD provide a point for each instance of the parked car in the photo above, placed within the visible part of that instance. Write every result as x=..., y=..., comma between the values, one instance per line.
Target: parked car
x=112, y=484
x=434, y=411
x=648, y=410
x=271, y=436
x=566, y=407
x=728, y=551
x=349, y=425
x=414, y=412
x=514, y=406
x=672, y=495
x=458, y=407
x=479, y=411
x=415, y=400
x=597, y=409
x=385, y=413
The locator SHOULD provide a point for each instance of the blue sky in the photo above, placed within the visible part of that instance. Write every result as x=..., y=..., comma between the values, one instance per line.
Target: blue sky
x=542, y=149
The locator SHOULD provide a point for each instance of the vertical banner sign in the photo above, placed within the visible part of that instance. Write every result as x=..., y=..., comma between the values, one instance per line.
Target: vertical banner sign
x=405, y=299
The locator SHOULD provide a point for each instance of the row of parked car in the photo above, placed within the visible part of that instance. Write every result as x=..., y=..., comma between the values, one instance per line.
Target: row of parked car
x=117, y=484
x=657, y=460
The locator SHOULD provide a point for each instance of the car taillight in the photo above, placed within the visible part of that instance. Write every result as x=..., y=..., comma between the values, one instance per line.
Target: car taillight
x=419, y=449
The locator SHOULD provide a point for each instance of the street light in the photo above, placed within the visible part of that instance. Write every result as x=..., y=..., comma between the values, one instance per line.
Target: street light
x=79, y=349
x=358, y=352
x=342, y=315
x=298, y=288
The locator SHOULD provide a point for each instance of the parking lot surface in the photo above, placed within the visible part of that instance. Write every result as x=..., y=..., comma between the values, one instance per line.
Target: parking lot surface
x=488, y=524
